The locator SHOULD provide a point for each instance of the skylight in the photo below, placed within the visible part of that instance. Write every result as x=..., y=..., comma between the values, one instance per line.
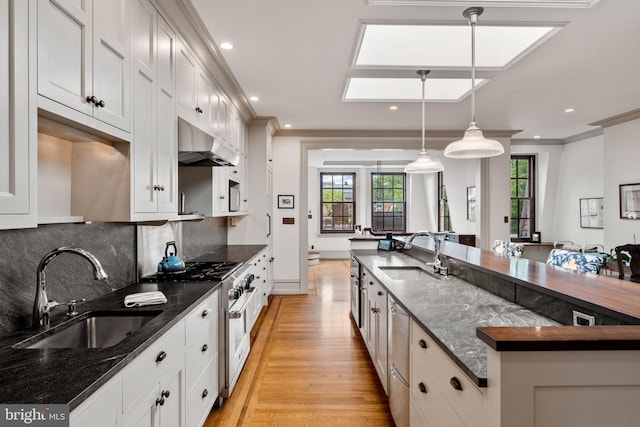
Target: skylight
x=406, y=89
x=445, y=46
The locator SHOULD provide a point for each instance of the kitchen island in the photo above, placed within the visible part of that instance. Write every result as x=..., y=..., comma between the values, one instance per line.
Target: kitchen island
x=499, y=320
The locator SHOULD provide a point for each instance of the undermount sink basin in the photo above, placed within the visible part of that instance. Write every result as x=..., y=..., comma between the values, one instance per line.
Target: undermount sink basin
x=408, y=272
x=92, y=330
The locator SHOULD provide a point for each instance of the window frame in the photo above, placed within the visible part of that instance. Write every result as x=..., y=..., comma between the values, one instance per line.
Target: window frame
x=404, y=202
x=353, y=202
x=531, y=197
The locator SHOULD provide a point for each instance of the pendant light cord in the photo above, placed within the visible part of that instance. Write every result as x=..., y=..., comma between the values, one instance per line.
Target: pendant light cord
x=423, y=77
x=473, y=69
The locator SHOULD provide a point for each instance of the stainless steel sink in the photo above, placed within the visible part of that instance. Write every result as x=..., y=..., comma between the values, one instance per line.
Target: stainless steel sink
x=408, y=272
x=93, y=330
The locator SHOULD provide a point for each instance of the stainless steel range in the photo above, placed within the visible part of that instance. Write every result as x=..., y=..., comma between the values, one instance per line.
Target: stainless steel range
x=236, y=294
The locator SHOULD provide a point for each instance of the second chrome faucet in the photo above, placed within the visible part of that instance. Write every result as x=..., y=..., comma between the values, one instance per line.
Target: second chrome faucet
x=437, y=237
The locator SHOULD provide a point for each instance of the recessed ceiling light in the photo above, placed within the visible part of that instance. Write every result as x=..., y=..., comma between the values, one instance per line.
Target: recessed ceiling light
x=226, y=46
x=254, y=98
x=569, y=110
x=287, y=125
x=536, y=137
x=393, y=107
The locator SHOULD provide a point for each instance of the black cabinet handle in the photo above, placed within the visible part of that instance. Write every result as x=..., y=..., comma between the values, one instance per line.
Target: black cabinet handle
x=422, y=344
x=100, y=104
x=204, y=393
x=455, y=383
x=380, y=293
x=205, y=313
x=160, y=401
x=161, y=356
x=165, y=393
x=92, y=99
x=205, y=348
x=371, y=283
x=422, y=388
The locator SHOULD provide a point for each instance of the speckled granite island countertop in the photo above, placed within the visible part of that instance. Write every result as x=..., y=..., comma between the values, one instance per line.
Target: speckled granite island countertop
x=69, y=376
x=450, y=309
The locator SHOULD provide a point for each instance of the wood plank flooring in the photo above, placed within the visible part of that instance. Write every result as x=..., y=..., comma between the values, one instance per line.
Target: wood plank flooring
x=308, y=365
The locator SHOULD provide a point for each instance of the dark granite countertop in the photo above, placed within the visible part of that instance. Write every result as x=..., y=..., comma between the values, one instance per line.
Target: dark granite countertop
x=450, y=309
x=69, y=376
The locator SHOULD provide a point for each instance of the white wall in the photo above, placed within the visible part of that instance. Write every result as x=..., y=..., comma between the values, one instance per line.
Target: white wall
x=286, y=237
x=458, y=175
x=620, y=158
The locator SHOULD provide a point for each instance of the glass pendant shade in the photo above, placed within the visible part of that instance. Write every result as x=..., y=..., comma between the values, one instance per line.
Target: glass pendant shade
x=424, y=164
x=473, y=144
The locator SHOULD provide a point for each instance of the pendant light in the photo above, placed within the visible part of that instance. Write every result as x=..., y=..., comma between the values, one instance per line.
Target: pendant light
x=473, y=145
x=424, y=163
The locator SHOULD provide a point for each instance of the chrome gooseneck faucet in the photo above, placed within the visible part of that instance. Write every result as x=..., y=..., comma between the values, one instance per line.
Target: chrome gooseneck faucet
x=437, y=237
x=42, y=306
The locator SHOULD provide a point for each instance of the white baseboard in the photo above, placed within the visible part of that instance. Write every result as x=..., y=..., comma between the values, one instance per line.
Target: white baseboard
x=286, y=287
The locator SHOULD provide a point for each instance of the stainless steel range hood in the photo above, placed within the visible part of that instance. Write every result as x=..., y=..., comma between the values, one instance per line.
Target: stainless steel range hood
x=198, y=148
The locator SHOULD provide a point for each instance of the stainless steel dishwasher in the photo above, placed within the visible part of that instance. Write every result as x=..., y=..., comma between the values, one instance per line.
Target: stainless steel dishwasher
x=399, y=360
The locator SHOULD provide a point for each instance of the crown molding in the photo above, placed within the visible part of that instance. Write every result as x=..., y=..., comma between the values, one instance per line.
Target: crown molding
x=584, y=135
x=387, y=133
x=616, y=120
x=491, y=3
x=532, y=141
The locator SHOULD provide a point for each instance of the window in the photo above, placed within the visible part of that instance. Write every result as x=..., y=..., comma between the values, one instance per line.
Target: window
x=522, y=197
x=388, y=204
x=338, y=204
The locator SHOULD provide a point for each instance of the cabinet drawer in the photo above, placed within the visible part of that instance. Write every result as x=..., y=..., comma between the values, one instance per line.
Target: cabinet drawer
x=430, y=407
x=154, y=362
x=102, y=409
x=203, y=319
x=432, y=366
x=199, y=354
x=200, y=399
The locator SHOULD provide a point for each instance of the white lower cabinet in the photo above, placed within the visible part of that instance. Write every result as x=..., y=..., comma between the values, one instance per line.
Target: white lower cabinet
x=441, y=394
x=102, y=409
x=376, y=331
x=173, y=383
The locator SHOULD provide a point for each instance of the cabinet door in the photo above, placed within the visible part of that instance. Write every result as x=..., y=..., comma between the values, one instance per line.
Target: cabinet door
x=220, y=191
x=203, y=98
x=166, y=135
x=146, y=412
x=172, y=409
x=65, y=68
x=145, y=184
x=381, y=360
x=111, y=56
x=186, y=91
x=17, y=119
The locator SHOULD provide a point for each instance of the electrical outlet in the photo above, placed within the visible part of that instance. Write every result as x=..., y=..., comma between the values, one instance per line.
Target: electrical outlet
x=506, y=220
x=581, y=319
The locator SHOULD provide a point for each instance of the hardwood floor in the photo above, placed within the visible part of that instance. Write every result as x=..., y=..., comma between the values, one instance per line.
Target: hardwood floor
x=308, y=365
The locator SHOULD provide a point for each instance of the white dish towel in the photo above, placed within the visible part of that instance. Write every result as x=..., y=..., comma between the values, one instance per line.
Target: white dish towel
x=144, y=298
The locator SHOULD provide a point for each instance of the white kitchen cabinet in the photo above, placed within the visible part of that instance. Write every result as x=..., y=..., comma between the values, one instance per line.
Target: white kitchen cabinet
x=18, y=139
x=441, y=394
x=84, y=62
x=196, y=95
x=153, y=385
x=154, y=146
x=202, y=360
x=375, y=329
x=102, y=409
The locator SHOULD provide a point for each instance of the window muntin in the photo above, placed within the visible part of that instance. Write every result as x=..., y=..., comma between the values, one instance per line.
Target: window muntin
x=522, y=197
x=337, y=204
x=388, y=203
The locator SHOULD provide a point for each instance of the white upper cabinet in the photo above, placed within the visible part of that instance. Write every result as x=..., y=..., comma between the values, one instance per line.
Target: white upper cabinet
x=194, y=91
x=17, y=119
x=154, y=160
x=83, y=61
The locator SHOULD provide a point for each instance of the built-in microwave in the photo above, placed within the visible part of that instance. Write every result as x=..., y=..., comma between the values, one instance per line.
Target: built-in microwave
x=234, y=196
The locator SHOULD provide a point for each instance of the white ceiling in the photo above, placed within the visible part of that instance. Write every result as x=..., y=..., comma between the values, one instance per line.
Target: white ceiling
x=296, y=56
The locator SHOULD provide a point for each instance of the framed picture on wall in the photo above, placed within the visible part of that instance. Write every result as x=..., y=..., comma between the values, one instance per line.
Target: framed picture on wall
x=285, y=201
x=471, y=203
x=592, y=213
x=630, y=201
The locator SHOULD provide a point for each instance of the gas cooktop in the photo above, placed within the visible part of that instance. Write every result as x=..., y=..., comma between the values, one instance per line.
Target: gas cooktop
x=196, y=271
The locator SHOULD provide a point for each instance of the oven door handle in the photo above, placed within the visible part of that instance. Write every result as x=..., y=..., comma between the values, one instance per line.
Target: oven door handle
x=237, y=314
